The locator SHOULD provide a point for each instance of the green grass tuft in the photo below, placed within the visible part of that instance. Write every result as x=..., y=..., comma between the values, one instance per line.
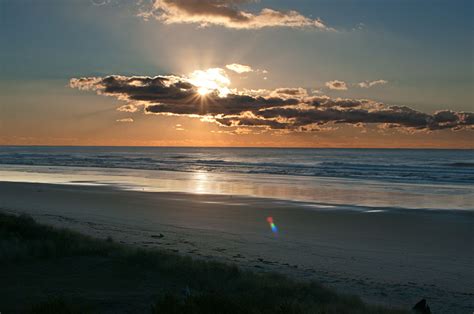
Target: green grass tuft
x=55, y=305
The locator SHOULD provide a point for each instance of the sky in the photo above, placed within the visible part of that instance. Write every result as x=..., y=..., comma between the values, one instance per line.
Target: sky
x=308, y=73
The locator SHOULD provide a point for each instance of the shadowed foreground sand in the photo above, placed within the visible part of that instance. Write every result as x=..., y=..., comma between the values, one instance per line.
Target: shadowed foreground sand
x=50, y=270
x=388, y=257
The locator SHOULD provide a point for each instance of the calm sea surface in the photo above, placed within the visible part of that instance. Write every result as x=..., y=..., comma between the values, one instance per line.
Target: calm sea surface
x=429, y=179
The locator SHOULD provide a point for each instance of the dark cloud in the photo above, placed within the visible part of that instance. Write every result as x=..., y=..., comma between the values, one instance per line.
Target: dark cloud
x=214, y=105
x=284, y=108
x=290, y=92
x=170, y=94
x=226, y=13
x=249, y=120
x=399, y=116
x=327, y=102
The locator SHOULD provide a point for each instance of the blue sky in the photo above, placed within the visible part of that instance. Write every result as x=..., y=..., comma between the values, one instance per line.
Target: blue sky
x=423, y=48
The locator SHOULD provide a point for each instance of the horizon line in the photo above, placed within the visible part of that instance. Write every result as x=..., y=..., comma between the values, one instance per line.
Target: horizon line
x=245, y=147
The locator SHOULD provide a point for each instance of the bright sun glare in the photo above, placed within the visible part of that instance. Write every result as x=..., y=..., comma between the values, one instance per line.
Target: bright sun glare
x=203, y=91
x=210, y=80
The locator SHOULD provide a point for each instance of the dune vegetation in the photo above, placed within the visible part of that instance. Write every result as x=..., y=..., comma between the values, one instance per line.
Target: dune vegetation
x=51, y=270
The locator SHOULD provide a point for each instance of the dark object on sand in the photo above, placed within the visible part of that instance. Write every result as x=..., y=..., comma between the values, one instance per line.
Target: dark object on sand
x=186, y=292
x=422, y=308
x=159, y=236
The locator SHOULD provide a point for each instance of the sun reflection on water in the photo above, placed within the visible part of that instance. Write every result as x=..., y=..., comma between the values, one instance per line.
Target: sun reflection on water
x=201, y=182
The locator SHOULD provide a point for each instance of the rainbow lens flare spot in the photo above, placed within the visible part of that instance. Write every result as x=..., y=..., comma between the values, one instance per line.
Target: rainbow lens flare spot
x=272, y=224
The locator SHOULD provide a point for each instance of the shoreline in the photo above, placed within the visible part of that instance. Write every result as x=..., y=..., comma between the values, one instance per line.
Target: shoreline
x=390, y=258
x=333, y=191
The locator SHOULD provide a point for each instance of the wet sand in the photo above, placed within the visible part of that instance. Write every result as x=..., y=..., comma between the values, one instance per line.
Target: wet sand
x=386, y=256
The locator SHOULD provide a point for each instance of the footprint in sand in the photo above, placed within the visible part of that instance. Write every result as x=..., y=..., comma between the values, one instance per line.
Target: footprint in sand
x=261, y=260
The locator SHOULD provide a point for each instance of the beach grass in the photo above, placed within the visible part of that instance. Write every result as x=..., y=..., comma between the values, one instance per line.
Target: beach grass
x=62, y=271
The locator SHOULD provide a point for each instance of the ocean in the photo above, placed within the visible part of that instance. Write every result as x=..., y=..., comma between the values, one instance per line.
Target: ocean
x=324, y=178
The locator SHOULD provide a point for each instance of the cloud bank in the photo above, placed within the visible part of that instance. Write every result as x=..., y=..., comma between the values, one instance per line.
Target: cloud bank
x=226, y=13
x=290, y=109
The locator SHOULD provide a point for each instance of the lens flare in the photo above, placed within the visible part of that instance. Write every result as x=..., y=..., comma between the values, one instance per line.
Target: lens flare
x=272, y=224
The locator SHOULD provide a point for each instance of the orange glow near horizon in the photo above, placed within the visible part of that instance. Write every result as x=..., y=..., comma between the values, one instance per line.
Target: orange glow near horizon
x=94, y=121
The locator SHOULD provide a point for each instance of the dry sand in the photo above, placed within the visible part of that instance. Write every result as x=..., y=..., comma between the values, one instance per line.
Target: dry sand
x=392, y=257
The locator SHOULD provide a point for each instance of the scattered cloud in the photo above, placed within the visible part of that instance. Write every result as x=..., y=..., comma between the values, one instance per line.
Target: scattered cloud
x=239, y=68
x=368, y=84
x=128, y=108
x=244, y=131
x=226, y=13
x=341, y=85
x=289, y=92
x=100, y=2
x=289, y=109
x=336, y=85
x=126, y=120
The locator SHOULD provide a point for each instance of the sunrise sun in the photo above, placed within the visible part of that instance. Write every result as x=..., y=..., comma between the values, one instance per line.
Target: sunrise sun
x=209, y=81
x=203, y=91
